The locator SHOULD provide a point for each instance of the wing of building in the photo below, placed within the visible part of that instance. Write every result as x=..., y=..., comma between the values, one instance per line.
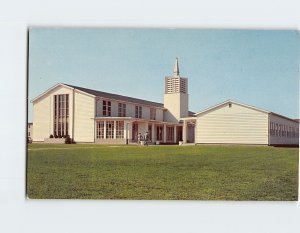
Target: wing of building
x=91, y=116
x=232, y=122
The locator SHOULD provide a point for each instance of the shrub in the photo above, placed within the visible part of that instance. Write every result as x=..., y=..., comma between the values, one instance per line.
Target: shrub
x=51, y=136
x=55, y=136
x=68, y=140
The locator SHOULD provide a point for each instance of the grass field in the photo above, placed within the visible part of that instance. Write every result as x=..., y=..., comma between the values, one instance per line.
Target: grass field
x=162, y=172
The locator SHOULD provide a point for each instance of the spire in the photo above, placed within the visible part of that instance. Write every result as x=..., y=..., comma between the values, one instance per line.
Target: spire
x=176, y=68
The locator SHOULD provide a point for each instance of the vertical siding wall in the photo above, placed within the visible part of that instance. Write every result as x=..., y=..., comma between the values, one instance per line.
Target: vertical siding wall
x=237, y=124
x=43, y=113
x=283, y=138
x=84, y=117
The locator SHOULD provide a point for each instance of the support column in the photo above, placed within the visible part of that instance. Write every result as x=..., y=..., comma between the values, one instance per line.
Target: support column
x=184, y=129
x=165, y=133
x=129, y=135
x=95, y=131
x=152, y=133
x=104, y=137
x=115, y=130
x=175, y=138
x=125, y=131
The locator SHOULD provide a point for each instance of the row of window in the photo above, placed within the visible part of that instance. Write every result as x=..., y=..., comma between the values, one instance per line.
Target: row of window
x=106, y=110
x=107, y=129
x=281, y=130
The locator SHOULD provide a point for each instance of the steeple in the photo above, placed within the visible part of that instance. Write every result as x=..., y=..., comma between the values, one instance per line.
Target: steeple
x=176, y=68
x=176, y=97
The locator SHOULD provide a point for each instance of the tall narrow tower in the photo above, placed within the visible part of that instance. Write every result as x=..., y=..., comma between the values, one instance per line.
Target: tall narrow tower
x=176, y=98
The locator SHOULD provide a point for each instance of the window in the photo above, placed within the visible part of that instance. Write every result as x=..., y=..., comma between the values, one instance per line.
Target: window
x=272, y=128
x=230, y=105
x=109, y=129
x=61, y=115
x=100, y=129
x=159, y=133
x=170, y=133
x=135, y=129
x=106, y=108
x=152, y=113
x=119, y=129
x=28, y=134
x=138, y=111
x=121, y=110
x=150, y=131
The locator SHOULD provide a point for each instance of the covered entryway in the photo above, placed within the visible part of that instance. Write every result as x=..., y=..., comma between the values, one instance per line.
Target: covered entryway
x=189, y=129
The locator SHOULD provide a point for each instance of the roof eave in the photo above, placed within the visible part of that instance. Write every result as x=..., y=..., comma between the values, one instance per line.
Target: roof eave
x=48, y=90
x=231, y=101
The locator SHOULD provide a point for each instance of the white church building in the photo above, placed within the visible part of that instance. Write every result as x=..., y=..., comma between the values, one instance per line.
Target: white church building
x=91, y=116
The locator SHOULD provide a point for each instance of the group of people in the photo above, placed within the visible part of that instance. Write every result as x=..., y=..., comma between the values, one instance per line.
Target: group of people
x=144, y=138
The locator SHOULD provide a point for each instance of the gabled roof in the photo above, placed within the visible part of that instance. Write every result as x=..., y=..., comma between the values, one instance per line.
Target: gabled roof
x=234, y=102
x=117, y=97
x=244, y=105
x=48, y=90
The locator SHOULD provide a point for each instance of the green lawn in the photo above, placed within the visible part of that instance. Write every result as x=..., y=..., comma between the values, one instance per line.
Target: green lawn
x=162, y=172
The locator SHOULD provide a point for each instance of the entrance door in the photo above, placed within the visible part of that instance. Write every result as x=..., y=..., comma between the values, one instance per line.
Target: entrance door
x=191, y=133
x=179, y=133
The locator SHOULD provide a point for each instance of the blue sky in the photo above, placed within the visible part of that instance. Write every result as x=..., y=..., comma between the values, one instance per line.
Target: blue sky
x=255, y=67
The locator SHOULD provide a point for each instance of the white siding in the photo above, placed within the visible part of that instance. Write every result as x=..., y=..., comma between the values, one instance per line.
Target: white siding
x=84, y=117
x=235, y=124
x=43, y=113
x=42, y=119
x=283, y=138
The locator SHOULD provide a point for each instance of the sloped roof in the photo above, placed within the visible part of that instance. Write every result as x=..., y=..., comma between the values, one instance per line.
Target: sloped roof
x=116, y=97
x=191, y=113
x=244, y=105
x=234, y=102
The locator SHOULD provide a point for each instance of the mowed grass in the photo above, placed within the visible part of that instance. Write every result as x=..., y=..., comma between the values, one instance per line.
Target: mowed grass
x=162, y=172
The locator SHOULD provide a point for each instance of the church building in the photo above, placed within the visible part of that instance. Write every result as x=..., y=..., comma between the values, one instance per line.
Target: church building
x=91, y=116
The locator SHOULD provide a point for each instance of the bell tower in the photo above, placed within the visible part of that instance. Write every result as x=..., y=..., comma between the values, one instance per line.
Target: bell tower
x=176, y=98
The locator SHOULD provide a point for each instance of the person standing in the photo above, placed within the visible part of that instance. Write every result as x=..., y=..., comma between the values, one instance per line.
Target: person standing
x=146, y=138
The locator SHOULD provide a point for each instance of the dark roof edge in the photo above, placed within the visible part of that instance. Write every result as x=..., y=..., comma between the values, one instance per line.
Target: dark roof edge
x=287, y=118
x=116, y=96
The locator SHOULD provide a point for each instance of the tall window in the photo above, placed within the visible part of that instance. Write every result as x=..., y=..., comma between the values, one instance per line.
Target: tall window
x=135, y=129
x=159, y=133
x=121, y=110
x=152, y=113
x=109, y=129
x=100, y=129
x=138, y=111
x=106, y=108
x=119, y=129
x=170, y=133
x=150, y=131
x=61, y=115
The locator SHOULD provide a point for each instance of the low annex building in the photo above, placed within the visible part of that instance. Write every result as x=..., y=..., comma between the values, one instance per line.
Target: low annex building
x=91, y=116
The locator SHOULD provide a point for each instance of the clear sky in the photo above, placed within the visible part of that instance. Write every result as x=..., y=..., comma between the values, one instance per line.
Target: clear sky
x=255, y=67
